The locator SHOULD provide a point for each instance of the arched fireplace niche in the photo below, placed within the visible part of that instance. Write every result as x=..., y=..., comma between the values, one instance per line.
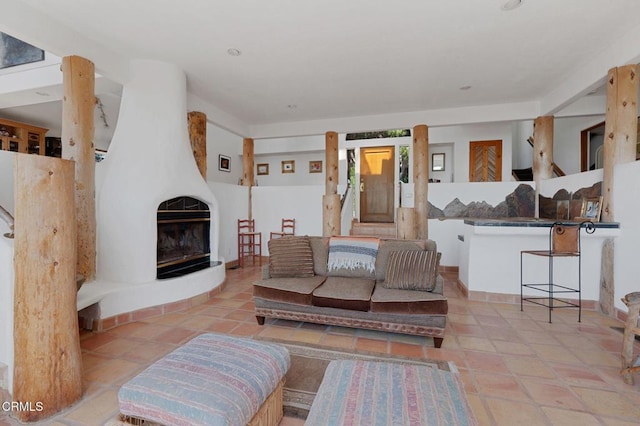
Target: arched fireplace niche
x=183, y=244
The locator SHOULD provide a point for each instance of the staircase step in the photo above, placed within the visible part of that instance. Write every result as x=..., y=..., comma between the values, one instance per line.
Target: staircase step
x=381, y=230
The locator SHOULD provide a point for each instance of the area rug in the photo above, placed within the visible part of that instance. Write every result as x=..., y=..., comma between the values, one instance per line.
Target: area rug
x=309, y=362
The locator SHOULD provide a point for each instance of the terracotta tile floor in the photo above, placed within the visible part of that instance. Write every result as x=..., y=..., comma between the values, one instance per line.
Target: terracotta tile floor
x=517, y=368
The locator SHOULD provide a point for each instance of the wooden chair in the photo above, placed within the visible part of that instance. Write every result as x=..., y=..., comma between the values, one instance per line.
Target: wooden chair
x=288, y=227
x=564, y=241
x=249, y=241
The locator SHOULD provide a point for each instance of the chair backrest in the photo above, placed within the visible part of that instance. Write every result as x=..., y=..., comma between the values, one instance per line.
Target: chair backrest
x=289, y=226
x=246, y=225
x=565, y=238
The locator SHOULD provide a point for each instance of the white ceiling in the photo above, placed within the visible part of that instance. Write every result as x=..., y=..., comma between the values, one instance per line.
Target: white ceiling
x=305, y=65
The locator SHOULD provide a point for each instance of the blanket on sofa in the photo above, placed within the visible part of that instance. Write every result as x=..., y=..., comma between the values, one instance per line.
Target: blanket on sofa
x=353, y=253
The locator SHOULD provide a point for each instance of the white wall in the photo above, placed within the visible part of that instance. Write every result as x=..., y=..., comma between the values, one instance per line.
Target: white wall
x=233, y=206
x=522, y=151
x=460, y=136
x=627, y=246
x=220, y=141
x=566, y=141
x=301, y=175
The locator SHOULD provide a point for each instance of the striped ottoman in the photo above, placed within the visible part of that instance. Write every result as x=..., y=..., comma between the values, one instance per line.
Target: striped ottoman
x=213, y=379
x=356, y=392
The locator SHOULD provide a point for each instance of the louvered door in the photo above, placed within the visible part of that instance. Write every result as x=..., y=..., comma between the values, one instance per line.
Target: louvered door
x=485, y=161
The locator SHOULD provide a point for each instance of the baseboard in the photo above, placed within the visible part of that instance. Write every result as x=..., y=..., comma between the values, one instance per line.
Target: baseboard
x=4, y=383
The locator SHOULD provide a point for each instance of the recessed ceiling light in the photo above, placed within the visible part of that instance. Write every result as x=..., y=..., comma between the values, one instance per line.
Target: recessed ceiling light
x=511, y=4
x=234, y=52
x=465, y=87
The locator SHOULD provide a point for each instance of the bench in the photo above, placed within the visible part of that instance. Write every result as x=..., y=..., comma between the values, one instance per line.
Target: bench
x=213, y=379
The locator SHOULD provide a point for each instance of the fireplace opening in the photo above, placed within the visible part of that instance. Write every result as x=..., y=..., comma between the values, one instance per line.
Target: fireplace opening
x=183, y=243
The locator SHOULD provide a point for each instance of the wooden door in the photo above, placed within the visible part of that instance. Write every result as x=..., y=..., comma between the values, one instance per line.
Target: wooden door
x=377, y=180
x=485, y=161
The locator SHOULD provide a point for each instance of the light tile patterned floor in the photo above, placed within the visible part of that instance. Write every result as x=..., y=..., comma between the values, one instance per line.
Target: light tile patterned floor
x=517, y=368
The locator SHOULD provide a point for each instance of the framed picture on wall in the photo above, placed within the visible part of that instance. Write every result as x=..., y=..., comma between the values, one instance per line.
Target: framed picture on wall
x=315, y=166
x=437, y=162
x=263, y=169
x=224, y=163
x=289, y=166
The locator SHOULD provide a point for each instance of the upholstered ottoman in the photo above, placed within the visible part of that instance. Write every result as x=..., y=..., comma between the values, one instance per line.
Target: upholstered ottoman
x=356, y=392
x=213, y=379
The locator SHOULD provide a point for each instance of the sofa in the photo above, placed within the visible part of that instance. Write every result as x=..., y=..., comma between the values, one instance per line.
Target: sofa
x=378, y=284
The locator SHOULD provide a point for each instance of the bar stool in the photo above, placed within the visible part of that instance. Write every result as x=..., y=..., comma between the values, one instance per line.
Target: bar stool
x=631, y=329
x=564, y=242
x=249, y=241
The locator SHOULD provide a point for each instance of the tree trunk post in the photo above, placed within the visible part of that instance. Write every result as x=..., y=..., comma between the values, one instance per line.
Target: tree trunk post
x=421, y=180
x=620, y=138
x=248, y=178
x=331, y=200
x=48, y=360
x=78, y=104
x=198, y=138
x=542, y=154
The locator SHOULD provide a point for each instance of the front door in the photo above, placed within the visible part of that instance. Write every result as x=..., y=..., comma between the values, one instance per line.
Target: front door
x=377, y=168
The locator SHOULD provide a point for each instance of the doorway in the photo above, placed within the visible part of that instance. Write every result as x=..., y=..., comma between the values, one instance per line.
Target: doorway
x=377, y=178
x=485, y=161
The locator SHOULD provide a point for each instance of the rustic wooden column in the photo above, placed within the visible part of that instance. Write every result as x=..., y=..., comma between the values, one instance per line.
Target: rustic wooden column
x=421, y=180
x=48, y=361
x=198, y=137
x=248, y=178
x=542, y=154
x=620, y=137
x=406, y=226
x=78, y=104
x=331, y=200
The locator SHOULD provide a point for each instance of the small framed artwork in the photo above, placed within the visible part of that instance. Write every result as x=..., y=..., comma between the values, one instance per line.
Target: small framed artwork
x=263, y=169
x=315, y=166
x=224, y=163
x=591, y=208
x=289, y=166
x=437, y=162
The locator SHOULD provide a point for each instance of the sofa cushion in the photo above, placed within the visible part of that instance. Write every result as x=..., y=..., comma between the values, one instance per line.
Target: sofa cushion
x=320, y=249
x=290, y=257
x=344, y=293
x=396, y=301
x=389, y=245
x=412, y=270
x=290, y=290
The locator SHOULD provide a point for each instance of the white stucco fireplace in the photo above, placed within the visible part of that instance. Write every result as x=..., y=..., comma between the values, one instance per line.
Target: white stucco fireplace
x=148, y=162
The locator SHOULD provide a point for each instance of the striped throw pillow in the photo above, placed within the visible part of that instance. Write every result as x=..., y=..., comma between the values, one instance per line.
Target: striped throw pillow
x=290, y=257
x=412, y=270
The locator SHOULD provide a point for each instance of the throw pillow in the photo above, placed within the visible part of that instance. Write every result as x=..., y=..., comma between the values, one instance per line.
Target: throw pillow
x=290, y=257
x=412, y=270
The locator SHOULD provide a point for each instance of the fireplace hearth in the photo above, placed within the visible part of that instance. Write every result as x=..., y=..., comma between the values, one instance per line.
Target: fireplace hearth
x=183, y=243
